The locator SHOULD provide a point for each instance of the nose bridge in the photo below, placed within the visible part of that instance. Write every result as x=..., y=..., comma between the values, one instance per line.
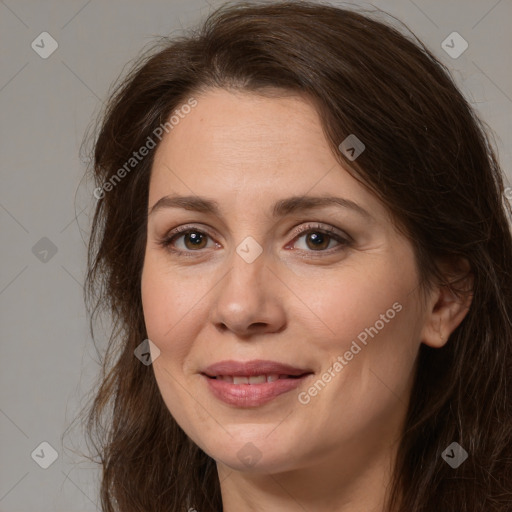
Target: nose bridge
x=248, y=295
x=248, y=258
x=248, y=263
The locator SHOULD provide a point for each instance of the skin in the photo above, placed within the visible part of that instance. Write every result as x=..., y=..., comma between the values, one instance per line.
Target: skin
x=295, y=304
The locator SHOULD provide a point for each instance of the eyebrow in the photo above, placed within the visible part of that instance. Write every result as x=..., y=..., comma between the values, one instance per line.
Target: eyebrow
x=281, y=208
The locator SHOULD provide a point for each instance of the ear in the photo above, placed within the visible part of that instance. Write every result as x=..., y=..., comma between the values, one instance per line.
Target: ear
x=445, y=308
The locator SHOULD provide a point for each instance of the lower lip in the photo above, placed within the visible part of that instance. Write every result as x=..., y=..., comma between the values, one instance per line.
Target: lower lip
x=251, y=395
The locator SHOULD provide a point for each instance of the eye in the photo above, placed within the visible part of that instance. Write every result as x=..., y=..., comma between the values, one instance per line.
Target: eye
x=193, y=239
x=317, y=239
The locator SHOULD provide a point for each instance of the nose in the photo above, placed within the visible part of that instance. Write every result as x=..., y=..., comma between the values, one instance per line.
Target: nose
x=249, y=299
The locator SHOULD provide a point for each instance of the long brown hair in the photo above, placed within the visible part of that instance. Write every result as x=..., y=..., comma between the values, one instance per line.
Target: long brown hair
x=428, y=158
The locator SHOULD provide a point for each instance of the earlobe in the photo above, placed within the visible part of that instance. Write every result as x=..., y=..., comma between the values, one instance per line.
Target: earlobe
x=448, y=308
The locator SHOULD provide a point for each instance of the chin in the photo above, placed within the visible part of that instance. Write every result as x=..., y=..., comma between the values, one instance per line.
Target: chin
x=253, y=454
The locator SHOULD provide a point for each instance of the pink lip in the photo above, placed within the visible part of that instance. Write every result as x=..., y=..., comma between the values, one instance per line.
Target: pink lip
x=252, y=395
x=251, y=368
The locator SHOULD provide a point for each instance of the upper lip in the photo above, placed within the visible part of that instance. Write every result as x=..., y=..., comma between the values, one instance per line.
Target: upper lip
x=252, y=368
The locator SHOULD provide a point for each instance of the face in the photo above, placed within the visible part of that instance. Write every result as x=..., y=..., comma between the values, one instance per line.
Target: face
x=330, y=290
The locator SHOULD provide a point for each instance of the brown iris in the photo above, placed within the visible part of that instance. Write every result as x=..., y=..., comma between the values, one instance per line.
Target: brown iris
x=195, y=238
x=318, y=239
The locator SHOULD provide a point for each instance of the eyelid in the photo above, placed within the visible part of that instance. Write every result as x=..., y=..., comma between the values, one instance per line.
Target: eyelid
x=320, y=226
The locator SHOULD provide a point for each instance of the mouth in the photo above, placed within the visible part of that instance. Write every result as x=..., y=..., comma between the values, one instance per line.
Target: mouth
x=252, y=383
x=253, y=379
x=254, y=369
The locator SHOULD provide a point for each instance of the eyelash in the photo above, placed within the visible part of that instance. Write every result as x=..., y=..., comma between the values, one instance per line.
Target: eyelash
x=166, y=241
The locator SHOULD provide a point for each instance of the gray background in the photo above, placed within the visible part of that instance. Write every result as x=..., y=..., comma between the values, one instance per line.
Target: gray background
x=47, y=359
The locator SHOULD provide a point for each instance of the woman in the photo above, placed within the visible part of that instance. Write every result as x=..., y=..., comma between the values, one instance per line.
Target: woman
x=301, y=235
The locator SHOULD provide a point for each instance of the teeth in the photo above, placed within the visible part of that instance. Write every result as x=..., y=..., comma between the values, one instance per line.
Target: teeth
x=254, y=379
x=257, y=379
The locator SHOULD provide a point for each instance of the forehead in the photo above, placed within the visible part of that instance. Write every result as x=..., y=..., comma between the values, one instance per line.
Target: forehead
x=251, y=147
x=247, y=131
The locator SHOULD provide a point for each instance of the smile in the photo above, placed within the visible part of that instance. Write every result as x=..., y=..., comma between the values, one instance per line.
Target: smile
x=251, y=391
x=253, y=379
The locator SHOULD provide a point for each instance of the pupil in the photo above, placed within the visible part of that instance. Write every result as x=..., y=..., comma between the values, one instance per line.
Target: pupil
x=317, y=239
x=195, y=238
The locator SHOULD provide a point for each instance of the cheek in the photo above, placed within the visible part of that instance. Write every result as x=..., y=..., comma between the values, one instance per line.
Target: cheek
x=166, y=298
x=156, y=301
x=343, y=305
x=165, y=303
x=369, y=326
x=175, y=308
x=372, y=332
x=368, y=354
